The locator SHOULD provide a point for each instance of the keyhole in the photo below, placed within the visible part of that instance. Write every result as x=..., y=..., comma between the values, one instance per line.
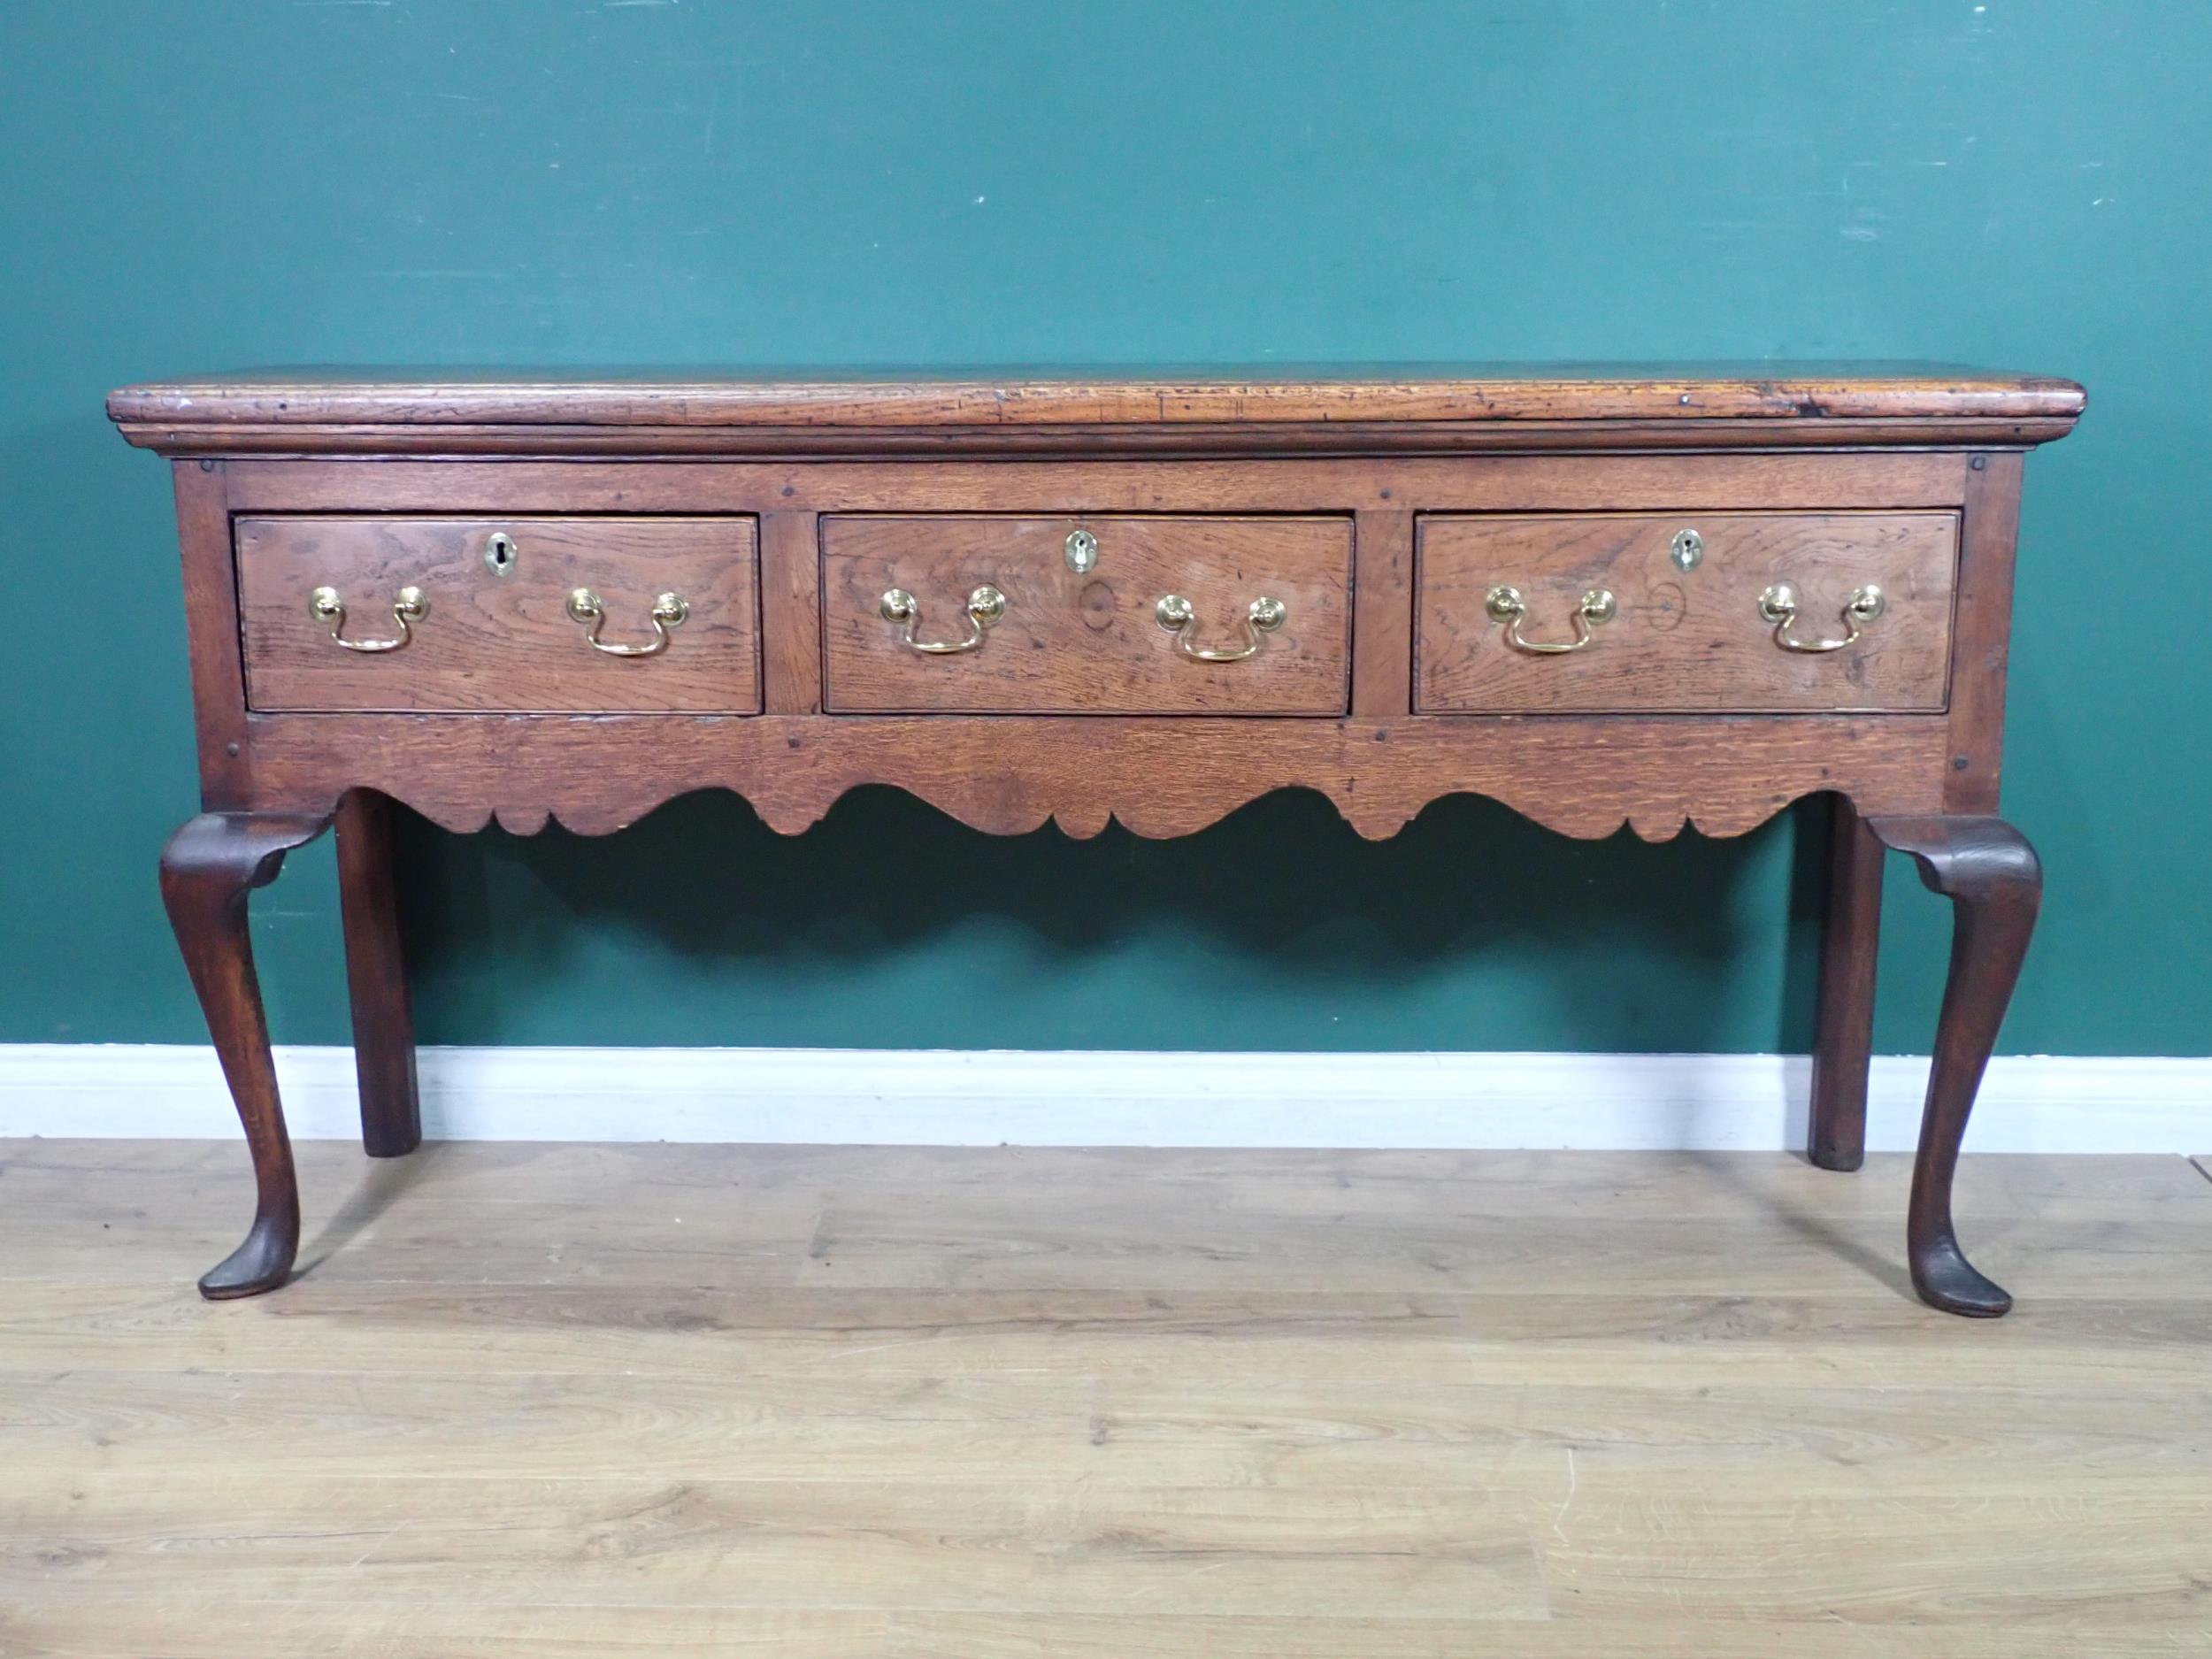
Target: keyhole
x=499, y=553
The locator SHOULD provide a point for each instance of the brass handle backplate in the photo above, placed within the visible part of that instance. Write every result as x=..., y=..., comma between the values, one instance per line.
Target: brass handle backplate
x=1505, y=606
x=1777, y=606
x=669, y=611
x=986, y=605
x=1179, y=617
x=408, y=606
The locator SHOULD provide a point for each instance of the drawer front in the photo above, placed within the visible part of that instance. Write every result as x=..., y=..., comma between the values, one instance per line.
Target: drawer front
x=1687, y=631
x=1080, y=629
x=501, y=629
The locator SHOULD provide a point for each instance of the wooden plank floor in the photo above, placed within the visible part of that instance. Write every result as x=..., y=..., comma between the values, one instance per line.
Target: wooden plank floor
x=566, y=1401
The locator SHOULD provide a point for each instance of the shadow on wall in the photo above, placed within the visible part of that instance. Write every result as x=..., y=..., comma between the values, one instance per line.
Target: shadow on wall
x=890, y=925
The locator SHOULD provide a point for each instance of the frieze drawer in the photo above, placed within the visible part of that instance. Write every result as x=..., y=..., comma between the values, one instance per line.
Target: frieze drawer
x=1597, y=613
x=993, y=613
x=518, y=615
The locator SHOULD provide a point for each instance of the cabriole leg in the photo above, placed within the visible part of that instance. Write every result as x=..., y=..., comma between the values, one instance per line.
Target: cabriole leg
x=207, y=870
x=1994, y=882
x=383, y=1024
x=1843, y=1034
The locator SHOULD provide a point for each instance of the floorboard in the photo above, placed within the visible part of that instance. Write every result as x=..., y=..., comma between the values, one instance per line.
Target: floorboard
x=558, y=1401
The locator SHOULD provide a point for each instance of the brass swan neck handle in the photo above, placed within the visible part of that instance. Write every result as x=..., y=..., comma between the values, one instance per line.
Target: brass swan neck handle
x=986, y=605
x=408, y=606
x=1505, y=606
x=1777, y=606
x=669, y=611
x=1179, y=617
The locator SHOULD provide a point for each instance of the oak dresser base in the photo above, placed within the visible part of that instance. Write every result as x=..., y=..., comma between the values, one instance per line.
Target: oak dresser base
x=1603, y=598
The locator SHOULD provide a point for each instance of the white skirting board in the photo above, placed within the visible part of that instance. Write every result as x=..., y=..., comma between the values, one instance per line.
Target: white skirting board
x=1693, y=1101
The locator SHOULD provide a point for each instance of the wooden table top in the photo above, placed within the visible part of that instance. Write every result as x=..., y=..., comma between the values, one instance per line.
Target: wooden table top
x=1114, y=396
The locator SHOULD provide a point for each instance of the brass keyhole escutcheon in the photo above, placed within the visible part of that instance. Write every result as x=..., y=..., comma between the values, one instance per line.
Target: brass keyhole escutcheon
x=1081, y=551
x=501, y=553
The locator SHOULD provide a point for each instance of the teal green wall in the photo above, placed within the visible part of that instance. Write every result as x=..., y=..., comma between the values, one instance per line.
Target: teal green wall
x=229, y=184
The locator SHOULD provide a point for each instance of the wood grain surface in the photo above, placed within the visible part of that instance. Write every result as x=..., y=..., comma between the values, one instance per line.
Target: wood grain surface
x=790, y=613
x=1222, y=410
x=1382, y=615
x=376, y=975
x=1086, y=642
x=1684, y=639
x=995, y=773
x=1592, y=481
x=923, y=1403
x=1162, y=776
x=501, y=643
x=1982, y=646
x=1843, y=1009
